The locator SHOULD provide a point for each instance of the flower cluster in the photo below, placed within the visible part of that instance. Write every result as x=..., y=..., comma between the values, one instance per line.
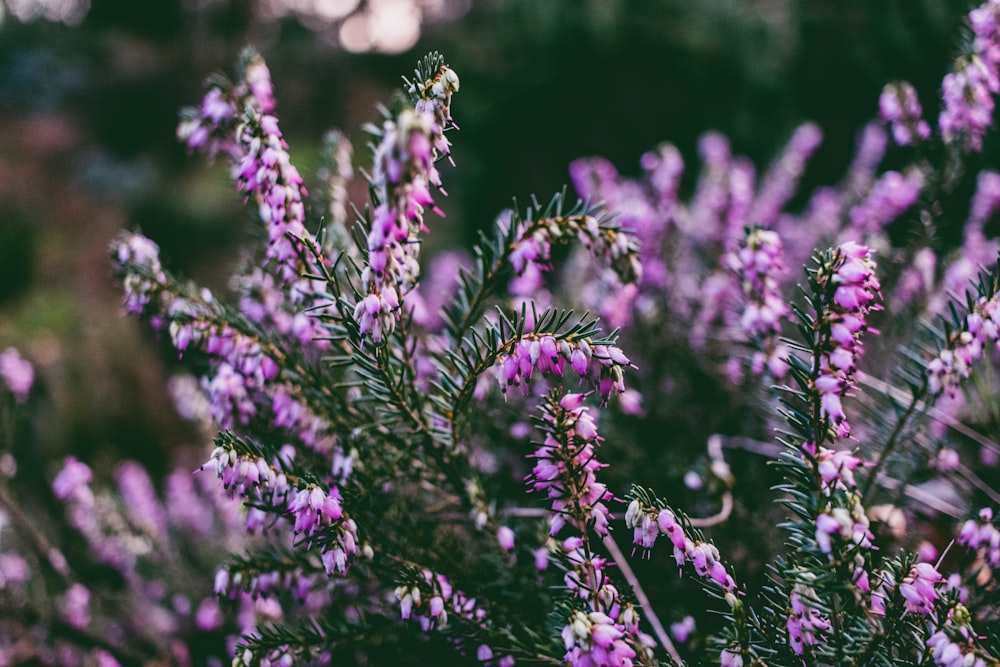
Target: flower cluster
x=891, y=195
x=601, y=366
x=898, y=105
x=968, y=91
x=313, y=511
x=918, y=589
x=432, y=601
x=965, y=346
x=404, y=173
x=805, y=623
x=566, y=465
x=266, y=174
x=209, y=128
x=758, y=265
x=595, y=639
x=982, y=535
x=853, y=286
x=647, y=523
x=851, y=525
x=531, y=251
x=948, y=652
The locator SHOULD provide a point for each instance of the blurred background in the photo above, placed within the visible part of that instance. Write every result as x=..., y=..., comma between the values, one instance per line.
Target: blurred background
x=90, y=91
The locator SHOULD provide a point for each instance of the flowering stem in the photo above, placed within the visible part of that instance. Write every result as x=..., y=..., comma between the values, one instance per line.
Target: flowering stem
x=640, y=594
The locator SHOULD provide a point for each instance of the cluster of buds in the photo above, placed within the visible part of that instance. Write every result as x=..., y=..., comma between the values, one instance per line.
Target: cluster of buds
x=647, y=524
x=898, y=105
x=137, y=259
x=243, y=366
x=965, y=346
x=918, y=589
x=835, y=467
x=314, y=512
x=954, y=647
x=982, y=535
x=280, y=309
x=403, y=175
x=209, y=128
x=594, y=639
x=250, y=477
x=282, y=656
x=608, y=632
x=534, y=241
x=602, y=366
x=850, y=279
x=968, y=91
x=805, y=622
x=432, y=600
x=265, y=173
x=850, y=525
x=261, y=584
x=758, y=265
x=566, y=466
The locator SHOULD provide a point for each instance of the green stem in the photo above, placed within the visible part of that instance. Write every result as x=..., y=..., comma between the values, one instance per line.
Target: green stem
x=890, y=444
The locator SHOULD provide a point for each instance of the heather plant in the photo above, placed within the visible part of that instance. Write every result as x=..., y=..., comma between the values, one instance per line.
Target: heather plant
x=415, y=459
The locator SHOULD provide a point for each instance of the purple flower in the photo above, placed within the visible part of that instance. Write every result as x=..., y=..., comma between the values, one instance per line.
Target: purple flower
x=967, y=92
x=17, y=373
x=505, y=538
x=855, y=289
x=898, y=105
x=918, y=589
x=891, y=195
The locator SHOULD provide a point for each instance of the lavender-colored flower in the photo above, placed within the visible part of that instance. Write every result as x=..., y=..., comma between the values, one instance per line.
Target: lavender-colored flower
x=730, y=658
x=851, y=278
x=780, y=181
x=805, y=623
x=891, y=195
x=431, y=599
x=73, y=479
x=967, y=92
x=918, y=589
x=75, y=605
x=403, y=175
x=759, y=265
x=566, y=465
x=898, y=105
x=505, y=538
x=141, y=503
x=602, y=366
x=983, y=536
x=965, y=346
x=17, y=373
x=595, y=639
x=948, y=652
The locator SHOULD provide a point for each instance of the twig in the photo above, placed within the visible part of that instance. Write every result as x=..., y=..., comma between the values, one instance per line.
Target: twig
x=932, y=412
x=640, y=594
x=716, y=519
x=48, y=553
